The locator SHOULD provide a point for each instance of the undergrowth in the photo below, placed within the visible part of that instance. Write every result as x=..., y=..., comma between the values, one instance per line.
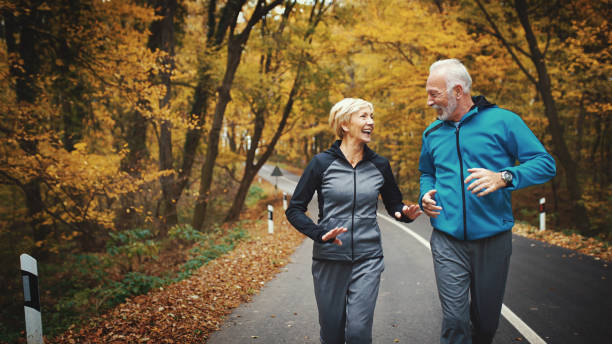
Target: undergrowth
x=81, y=285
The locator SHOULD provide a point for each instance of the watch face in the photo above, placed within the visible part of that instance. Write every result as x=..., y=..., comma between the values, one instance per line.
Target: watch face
x=506, y=176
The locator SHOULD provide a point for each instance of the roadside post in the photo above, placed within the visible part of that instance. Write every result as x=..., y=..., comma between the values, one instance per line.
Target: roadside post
x=276, y=173
x=270, y=219
x=542, y=213
x=31, y=300
x=285, y=200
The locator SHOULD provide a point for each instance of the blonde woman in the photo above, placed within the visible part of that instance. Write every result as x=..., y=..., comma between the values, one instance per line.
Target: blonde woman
x=347, y=251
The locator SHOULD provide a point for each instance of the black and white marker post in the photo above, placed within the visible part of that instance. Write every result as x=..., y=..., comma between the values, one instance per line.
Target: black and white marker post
x=542, y=213
x=270, y=219
x=285, y=200
x=31, y=305
x=276, y=173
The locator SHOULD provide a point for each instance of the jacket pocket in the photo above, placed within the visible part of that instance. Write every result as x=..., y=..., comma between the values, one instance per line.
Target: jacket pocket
x=366, y=234
x=330, y=247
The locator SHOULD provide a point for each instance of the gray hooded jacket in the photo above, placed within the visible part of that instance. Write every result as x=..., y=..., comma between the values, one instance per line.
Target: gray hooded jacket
x=347, y=197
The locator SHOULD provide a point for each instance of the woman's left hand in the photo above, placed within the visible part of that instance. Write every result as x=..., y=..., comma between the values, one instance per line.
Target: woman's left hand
x=412, y=211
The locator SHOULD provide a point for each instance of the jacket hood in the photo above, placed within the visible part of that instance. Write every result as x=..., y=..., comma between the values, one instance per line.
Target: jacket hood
x=481, y=103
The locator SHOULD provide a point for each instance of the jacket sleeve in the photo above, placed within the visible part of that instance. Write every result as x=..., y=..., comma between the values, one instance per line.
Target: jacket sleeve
x=309, y=182
x=536, y=165
x=428, y=171
x=391, y=195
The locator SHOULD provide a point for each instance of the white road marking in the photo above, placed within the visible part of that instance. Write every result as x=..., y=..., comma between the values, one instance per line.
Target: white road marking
x=405, y=229
x=512, y=318
x=520, y=325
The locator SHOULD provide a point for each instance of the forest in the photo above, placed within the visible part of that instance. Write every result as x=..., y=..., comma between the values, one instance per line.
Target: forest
x=128, y=126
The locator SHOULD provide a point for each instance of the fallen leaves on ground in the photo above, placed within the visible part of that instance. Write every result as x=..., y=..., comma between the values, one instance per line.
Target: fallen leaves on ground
x=190, y=310
x=576, y=242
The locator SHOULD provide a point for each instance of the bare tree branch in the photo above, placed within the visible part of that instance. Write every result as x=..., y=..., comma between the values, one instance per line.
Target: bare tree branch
x=505, y=43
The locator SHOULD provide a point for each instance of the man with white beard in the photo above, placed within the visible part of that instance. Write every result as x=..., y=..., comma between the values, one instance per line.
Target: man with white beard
x=468, y=171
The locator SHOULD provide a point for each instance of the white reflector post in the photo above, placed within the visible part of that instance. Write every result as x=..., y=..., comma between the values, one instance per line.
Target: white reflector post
x=31, y=301
x=285, y=200
x=542, y=213
x=270, y=219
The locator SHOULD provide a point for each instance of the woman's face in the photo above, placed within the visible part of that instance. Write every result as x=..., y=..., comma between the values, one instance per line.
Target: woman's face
x=360, y=125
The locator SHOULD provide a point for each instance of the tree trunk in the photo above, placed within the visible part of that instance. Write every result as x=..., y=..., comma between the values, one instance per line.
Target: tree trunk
x=240, y=197
x=133, y=165
x=20, y=35
x=163, y=38
x=555, y=202
x=236, y=45
x=250, y=170
x=212, y=150
x=192, y=139
x=580, y=216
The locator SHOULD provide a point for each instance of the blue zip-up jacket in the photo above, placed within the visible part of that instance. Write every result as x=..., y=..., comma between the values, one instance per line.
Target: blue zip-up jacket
x=347, y=197
x=487, y=137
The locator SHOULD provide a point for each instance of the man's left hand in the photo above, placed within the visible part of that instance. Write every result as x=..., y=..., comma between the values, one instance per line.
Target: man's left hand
x=484, y=180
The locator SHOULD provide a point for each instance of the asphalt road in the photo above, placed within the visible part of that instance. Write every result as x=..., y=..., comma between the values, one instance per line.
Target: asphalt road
x=553, y=295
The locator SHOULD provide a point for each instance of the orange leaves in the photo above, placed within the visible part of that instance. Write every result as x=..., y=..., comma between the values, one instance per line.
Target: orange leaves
x=577, y=242
x=188, y=311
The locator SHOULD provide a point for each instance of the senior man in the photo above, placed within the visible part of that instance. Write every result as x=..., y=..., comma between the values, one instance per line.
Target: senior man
x=468, y=172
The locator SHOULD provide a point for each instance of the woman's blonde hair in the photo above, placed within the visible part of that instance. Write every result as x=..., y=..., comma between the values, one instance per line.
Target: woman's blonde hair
x=341, y=112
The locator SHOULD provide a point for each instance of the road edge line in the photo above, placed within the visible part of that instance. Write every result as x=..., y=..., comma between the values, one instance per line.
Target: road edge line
x=520, y=325
x=524, y=329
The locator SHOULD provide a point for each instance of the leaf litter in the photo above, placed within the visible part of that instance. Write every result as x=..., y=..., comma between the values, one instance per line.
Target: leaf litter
x=190, y=310
x=598, y=249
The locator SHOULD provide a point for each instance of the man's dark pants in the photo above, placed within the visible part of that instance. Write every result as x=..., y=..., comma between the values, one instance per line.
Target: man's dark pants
x=471, y=278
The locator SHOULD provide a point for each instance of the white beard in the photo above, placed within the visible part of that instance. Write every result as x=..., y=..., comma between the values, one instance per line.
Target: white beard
x=447, y=110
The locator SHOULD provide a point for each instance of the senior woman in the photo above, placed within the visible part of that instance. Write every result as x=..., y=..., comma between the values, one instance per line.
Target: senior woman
x=347, y=251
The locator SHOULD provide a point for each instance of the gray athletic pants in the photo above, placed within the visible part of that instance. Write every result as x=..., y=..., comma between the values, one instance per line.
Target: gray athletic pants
x=479, y=267
x=346, y=296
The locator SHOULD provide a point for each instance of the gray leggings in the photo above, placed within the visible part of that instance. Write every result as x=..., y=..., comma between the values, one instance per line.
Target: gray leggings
x=346, y=296
x=471, y=278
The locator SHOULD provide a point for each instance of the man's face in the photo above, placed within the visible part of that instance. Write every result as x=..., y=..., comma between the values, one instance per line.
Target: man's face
x=438, y=98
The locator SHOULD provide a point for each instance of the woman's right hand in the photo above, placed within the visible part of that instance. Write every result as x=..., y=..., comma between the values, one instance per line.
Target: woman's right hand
x=333, y=234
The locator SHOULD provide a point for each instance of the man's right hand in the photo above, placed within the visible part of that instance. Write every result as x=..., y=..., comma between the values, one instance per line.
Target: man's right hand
x=429, y=204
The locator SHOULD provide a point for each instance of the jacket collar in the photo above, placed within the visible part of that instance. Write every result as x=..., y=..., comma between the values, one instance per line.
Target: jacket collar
x=480, y=103
x=368, y=154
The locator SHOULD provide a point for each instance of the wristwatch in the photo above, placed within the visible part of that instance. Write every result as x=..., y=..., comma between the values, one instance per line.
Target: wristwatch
x=506, y=177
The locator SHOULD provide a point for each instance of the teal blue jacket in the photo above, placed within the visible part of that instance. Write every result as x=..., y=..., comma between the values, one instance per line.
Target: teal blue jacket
x=487, y=137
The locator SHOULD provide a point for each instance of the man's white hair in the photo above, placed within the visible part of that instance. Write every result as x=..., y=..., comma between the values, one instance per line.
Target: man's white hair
x=454, y=73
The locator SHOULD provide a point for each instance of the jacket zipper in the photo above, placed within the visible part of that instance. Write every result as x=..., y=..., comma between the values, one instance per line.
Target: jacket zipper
x=462, y=183
x=353, y=214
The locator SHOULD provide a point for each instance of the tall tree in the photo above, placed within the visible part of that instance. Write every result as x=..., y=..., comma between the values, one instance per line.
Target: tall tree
x=163, y=38
x=54, y=107
x=22, y=28
x=262, y=101
x=236, y=44
x=201, y=95
x=542, y=82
